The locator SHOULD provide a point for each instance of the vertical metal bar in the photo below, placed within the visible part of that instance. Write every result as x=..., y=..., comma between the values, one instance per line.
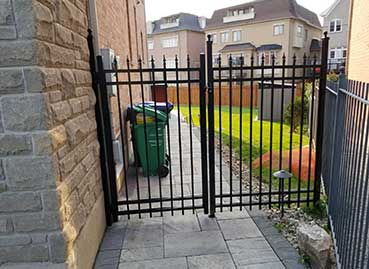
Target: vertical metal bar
x=108, y=138
x=301, y=130
x=230, y=132
x=100, y=131
x=179, y=133
x=125, y=161
x=134, y=138
x=220, y=134
x=241, y=112
x=146, y=135
x=320, y=126
x=168, y=134
x=261, y=130
x=282, y=112
x=311, y=124
x=251, y=123
x=157, y=134
x=292, y=126
x=271, y=133
x=211, y=125
x=203, y=138
x=104, y=133
x=191, y=145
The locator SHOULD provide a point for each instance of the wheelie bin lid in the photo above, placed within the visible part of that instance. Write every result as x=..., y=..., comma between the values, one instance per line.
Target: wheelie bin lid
x=149, y=111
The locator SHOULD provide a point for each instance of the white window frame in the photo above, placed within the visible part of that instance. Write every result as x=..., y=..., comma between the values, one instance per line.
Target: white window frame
x=335, y=25
x=278, y=26
x=221, y=37
x=240, y=35
x=338, y=53
x=150, y=44
x=169, y=45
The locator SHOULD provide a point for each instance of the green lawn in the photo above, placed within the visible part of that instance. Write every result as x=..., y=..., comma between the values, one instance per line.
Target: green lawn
x=246, y=127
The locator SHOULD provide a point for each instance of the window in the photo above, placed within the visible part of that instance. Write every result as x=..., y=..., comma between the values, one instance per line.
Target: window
x=236, y=35
x=237, y=12
x=224, y=37
x=338, y=53
x=335, y=26
x=344, y=53
x=237, y=59
x=170, y=63
x=214, y=37
x=171, y=42
x=278, y=29
x=216, y=58
x=306, y=35
x=268, y=57
x=171, y=20
x=150, y=45
x=300, y=29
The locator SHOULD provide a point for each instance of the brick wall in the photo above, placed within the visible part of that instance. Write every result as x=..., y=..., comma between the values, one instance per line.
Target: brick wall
x=122, y=27
x=50, y=185
x=358, y=56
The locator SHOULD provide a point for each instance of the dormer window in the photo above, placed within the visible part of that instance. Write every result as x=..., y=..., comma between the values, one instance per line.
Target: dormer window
x=170, y=22
x=239, y=14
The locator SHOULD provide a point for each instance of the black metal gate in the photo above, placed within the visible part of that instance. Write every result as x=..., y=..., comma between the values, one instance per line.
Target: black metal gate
x=255, y=112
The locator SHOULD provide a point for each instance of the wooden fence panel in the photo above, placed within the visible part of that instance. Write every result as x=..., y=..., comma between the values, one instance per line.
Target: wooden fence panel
x=183, y=93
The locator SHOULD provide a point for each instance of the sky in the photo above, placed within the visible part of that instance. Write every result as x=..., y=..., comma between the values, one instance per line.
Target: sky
x=156, y=9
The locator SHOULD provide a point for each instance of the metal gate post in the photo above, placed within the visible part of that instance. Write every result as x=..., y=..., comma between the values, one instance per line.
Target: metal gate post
x=209, y=52
x=100, y=133
x=107, y=143
x=320, y=125
x=203, y=138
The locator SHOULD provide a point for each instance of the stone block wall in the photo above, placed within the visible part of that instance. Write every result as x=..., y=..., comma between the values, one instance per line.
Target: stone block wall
x=50, y=184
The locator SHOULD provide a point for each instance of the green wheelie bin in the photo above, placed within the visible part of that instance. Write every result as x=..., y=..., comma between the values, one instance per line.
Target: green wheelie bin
x=149, y=140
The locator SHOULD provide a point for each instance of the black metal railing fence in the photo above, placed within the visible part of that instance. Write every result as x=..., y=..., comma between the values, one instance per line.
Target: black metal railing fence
x=345, y=169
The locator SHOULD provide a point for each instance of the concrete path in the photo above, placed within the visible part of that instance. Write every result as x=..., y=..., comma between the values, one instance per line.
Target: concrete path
x=238, y=239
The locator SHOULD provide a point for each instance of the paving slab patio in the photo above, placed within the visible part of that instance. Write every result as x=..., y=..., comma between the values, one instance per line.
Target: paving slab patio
x=190, y=239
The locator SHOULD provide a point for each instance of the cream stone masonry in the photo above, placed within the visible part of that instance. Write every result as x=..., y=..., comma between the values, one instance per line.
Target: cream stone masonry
x=51, y=198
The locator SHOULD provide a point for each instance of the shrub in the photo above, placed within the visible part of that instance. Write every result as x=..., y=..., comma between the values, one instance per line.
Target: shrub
x=298, y=109
x=332, y=76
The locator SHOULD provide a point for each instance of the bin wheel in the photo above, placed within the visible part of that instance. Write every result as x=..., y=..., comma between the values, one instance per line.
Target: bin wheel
x=163, y=171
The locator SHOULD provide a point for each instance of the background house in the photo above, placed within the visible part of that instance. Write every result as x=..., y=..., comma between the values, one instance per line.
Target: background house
x=336, y=23
x=264, y=27
x=179, y=34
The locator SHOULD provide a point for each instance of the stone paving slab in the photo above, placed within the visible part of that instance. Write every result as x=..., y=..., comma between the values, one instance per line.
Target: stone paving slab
x=170, y=263
x=239, y=228
x=194, y=243
x=216, y=261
